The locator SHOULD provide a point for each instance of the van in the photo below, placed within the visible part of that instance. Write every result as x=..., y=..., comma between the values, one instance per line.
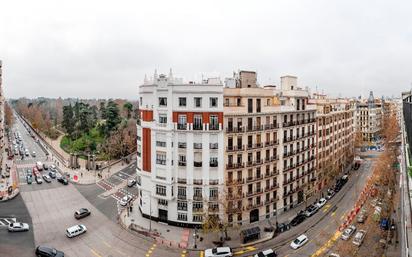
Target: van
x=39, y=166
x=75, y=230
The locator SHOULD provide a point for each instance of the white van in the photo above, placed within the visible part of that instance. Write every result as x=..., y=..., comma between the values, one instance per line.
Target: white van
x=76, y=230
x=39, y=166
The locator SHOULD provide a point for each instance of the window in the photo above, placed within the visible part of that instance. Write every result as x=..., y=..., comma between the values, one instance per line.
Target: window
x=181, y=123
x=161, y=190
x=181, y=206
x=162, y=101
x=198, y=102
x=213, y=162
x=197, y=122
x=182, y=160
x=161, y=158
x=213, y=192
x=182, y=101
x=213, y=122
x=141, y=101
x=162, y=202
x=197, y=205
x=258, y=105
x=250, y=105
x=197, y=218
x=181, y=192
x=181, y=216
x=162, y=118
x=161, y=143
x=213, y=101
x=197, y=192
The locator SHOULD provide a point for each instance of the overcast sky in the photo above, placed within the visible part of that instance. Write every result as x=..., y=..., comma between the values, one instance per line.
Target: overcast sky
x=103, y=49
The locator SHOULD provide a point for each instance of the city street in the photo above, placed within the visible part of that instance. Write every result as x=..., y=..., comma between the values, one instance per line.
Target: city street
x=51, y=207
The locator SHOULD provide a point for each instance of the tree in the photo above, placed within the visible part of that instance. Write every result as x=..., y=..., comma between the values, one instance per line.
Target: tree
x=112, y=116
x=68, y=119
x=129, y=108
x=8, y=113
x=102, y=110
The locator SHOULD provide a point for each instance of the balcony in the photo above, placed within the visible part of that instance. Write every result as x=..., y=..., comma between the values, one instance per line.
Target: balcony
x=254, y=163
x=252, y=179
x=254, y=206
x=197, y=210
x=197, y=164
x=230, y=166
x=235, y=129
x=290, y=153
x=234, y=209
x=181, y=180
x=197, y=126
x=254, y=146
x=235, y=181
x=213, y=182
x=213, y=164
x=289, y=139
x=181, y=145
x=197, y=145
x=289, y=167
x=235, y=148
x=274, y=158
x=289, y=124
x=289, y=180
x=213, y=126
x=213, y=209
x=290, y=192
x=272, y=143
x=213, y=198
x=274, y=186
x=213, y=146
x=198, y=198
x=271, y=126
x=197, y=182
x=181, y=126
x=181, y=197
x=181, y=163
x=254, y=128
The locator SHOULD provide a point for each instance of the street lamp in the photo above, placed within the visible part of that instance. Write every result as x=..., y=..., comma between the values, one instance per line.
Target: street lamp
x=194, y=237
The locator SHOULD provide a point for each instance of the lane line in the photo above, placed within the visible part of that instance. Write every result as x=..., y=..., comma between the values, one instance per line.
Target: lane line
x=95, y=253
x=104, y=242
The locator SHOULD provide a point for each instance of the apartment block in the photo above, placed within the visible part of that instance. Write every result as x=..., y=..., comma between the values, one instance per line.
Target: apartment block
x=369, y=118
x=180, y=149
x=269, y=147
x=335, y=137
x=2, y=103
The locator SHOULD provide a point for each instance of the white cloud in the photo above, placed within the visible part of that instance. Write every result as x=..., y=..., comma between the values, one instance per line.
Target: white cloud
x=104, y=48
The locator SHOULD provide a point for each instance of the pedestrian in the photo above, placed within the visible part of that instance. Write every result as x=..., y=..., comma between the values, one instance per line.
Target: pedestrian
x=81, y=174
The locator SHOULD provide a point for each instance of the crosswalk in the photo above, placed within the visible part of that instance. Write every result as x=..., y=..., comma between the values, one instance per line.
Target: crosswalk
x=4, y=222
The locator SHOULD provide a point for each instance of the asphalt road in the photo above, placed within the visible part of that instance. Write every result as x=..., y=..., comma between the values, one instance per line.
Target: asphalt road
x=16, y=244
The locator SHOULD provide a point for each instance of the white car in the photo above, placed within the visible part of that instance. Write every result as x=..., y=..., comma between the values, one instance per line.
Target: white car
x=299, y=242
x=347, y=233
x=266, y=253
x=219, y=252
x=321, y=203
x=330, y=194
x=131, y=182
x=76, y=230
x=18, y=226
x=125, y=200
x=358, y=239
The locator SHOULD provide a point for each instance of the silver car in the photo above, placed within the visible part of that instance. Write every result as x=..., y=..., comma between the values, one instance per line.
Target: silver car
x=18, y=227
x=348, y=232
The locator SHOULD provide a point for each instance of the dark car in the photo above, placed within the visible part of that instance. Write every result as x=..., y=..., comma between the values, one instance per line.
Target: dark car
x=282, y=227
x=83, y=212
x=63, y=180
x=45, y=166
x=45, y=251
x=298, y=219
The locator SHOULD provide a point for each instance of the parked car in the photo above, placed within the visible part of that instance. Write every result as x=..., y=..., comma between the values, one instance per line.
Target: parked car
x=45, y=251
x=38, y=180
x=266, y=253
x=45, y=166
x=29, y=179
x=33, y=154
x=18, y=227
x=63, y=180
x=358, y=239
x=219, y=252
x=330, y=194
x=348, y=232
x=282, y=227
x=312, y=209
x=52, y=174
x=333, y=255
x=76, y=230
x=39, y=166
x=321, y=202
x=46, y=178
x=53, y=167
x=131, y=182
x=28, y=172
x=125, y=200
x=298, y=219
x=384, y=224
x=362, y=216
x=299, y=242
x=81, y=213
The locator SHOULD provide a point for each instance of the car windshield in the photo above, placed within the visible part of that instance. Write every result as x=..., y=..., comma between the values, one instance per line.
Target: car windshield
x=214, y=250
x=297, y=241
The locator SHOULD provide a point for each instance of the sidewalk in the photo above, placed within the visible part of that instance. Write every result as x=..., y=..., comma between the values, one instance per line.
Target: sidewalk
x=12, y=180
